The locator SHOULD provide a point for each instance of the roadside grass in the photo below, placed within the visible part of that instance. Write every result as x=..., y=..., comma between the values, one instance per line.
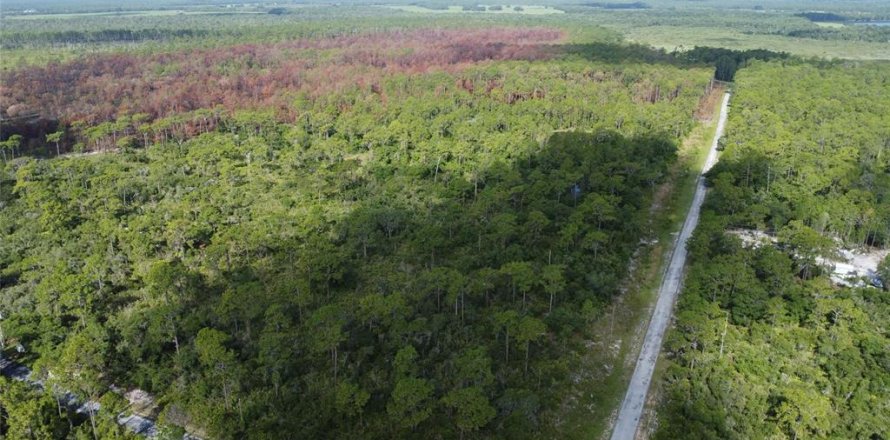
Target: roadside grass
x=649, y=418
x=648, y=421
x=604, y=369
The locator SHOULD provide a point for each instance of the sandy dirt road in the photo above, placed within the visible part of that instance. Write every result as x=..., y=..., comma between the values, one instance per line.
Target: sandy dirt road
x=632, y=407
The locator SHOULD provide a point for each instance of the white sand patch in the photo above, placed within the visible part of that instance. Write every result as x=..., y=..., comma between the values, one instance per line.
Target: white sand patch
x=852, y=267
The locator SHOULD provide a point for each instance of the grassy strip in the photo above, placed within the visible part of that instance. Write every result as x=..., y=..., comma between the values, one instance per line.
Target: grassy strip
x=649, y=421
x=604, y=369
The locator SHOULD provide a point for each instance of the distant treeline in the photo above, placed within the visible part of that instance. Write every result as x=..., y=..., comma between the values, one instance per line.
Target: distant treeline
x=16, y=40
x=822, y=16
x=634, y=5
x=725, y=61
x=877, y=34
x=435, y=6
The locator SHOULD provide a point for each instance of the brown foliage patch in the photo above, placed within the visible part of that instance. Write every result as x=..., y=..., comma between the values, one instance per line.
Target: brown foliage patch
x=103, y=88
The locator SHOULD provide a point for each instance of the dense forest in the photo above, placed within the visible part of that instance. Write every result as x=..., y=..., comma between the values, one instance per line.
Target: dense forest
x=406, y=252
x=105, y=101
x=765, y=344
x=115, y=101
x=418, y=220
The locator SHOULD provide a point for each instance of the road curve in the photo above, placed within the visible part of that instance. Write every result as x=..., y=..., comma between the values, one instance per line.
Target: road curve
x=632, y=407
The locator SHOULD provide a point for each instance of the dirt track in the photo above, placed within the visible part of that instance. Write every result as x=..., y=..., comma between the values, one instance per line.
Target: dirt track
x=632, y=406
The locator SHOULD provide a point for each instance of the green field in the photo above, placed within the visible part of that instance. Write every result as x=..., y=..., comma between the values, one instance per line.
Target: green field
x=679, y=38
x=145, y=13
x=505, y=9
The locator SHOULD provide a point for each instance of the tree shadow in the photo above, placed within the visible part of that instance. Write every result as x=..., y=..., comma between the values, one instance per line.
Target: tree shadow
x=623, y=53
x=460, y=261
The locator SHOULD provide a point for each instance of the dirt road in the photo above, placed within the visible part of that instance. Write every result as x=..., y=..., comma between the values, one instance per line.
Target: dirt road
x=632, y=406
